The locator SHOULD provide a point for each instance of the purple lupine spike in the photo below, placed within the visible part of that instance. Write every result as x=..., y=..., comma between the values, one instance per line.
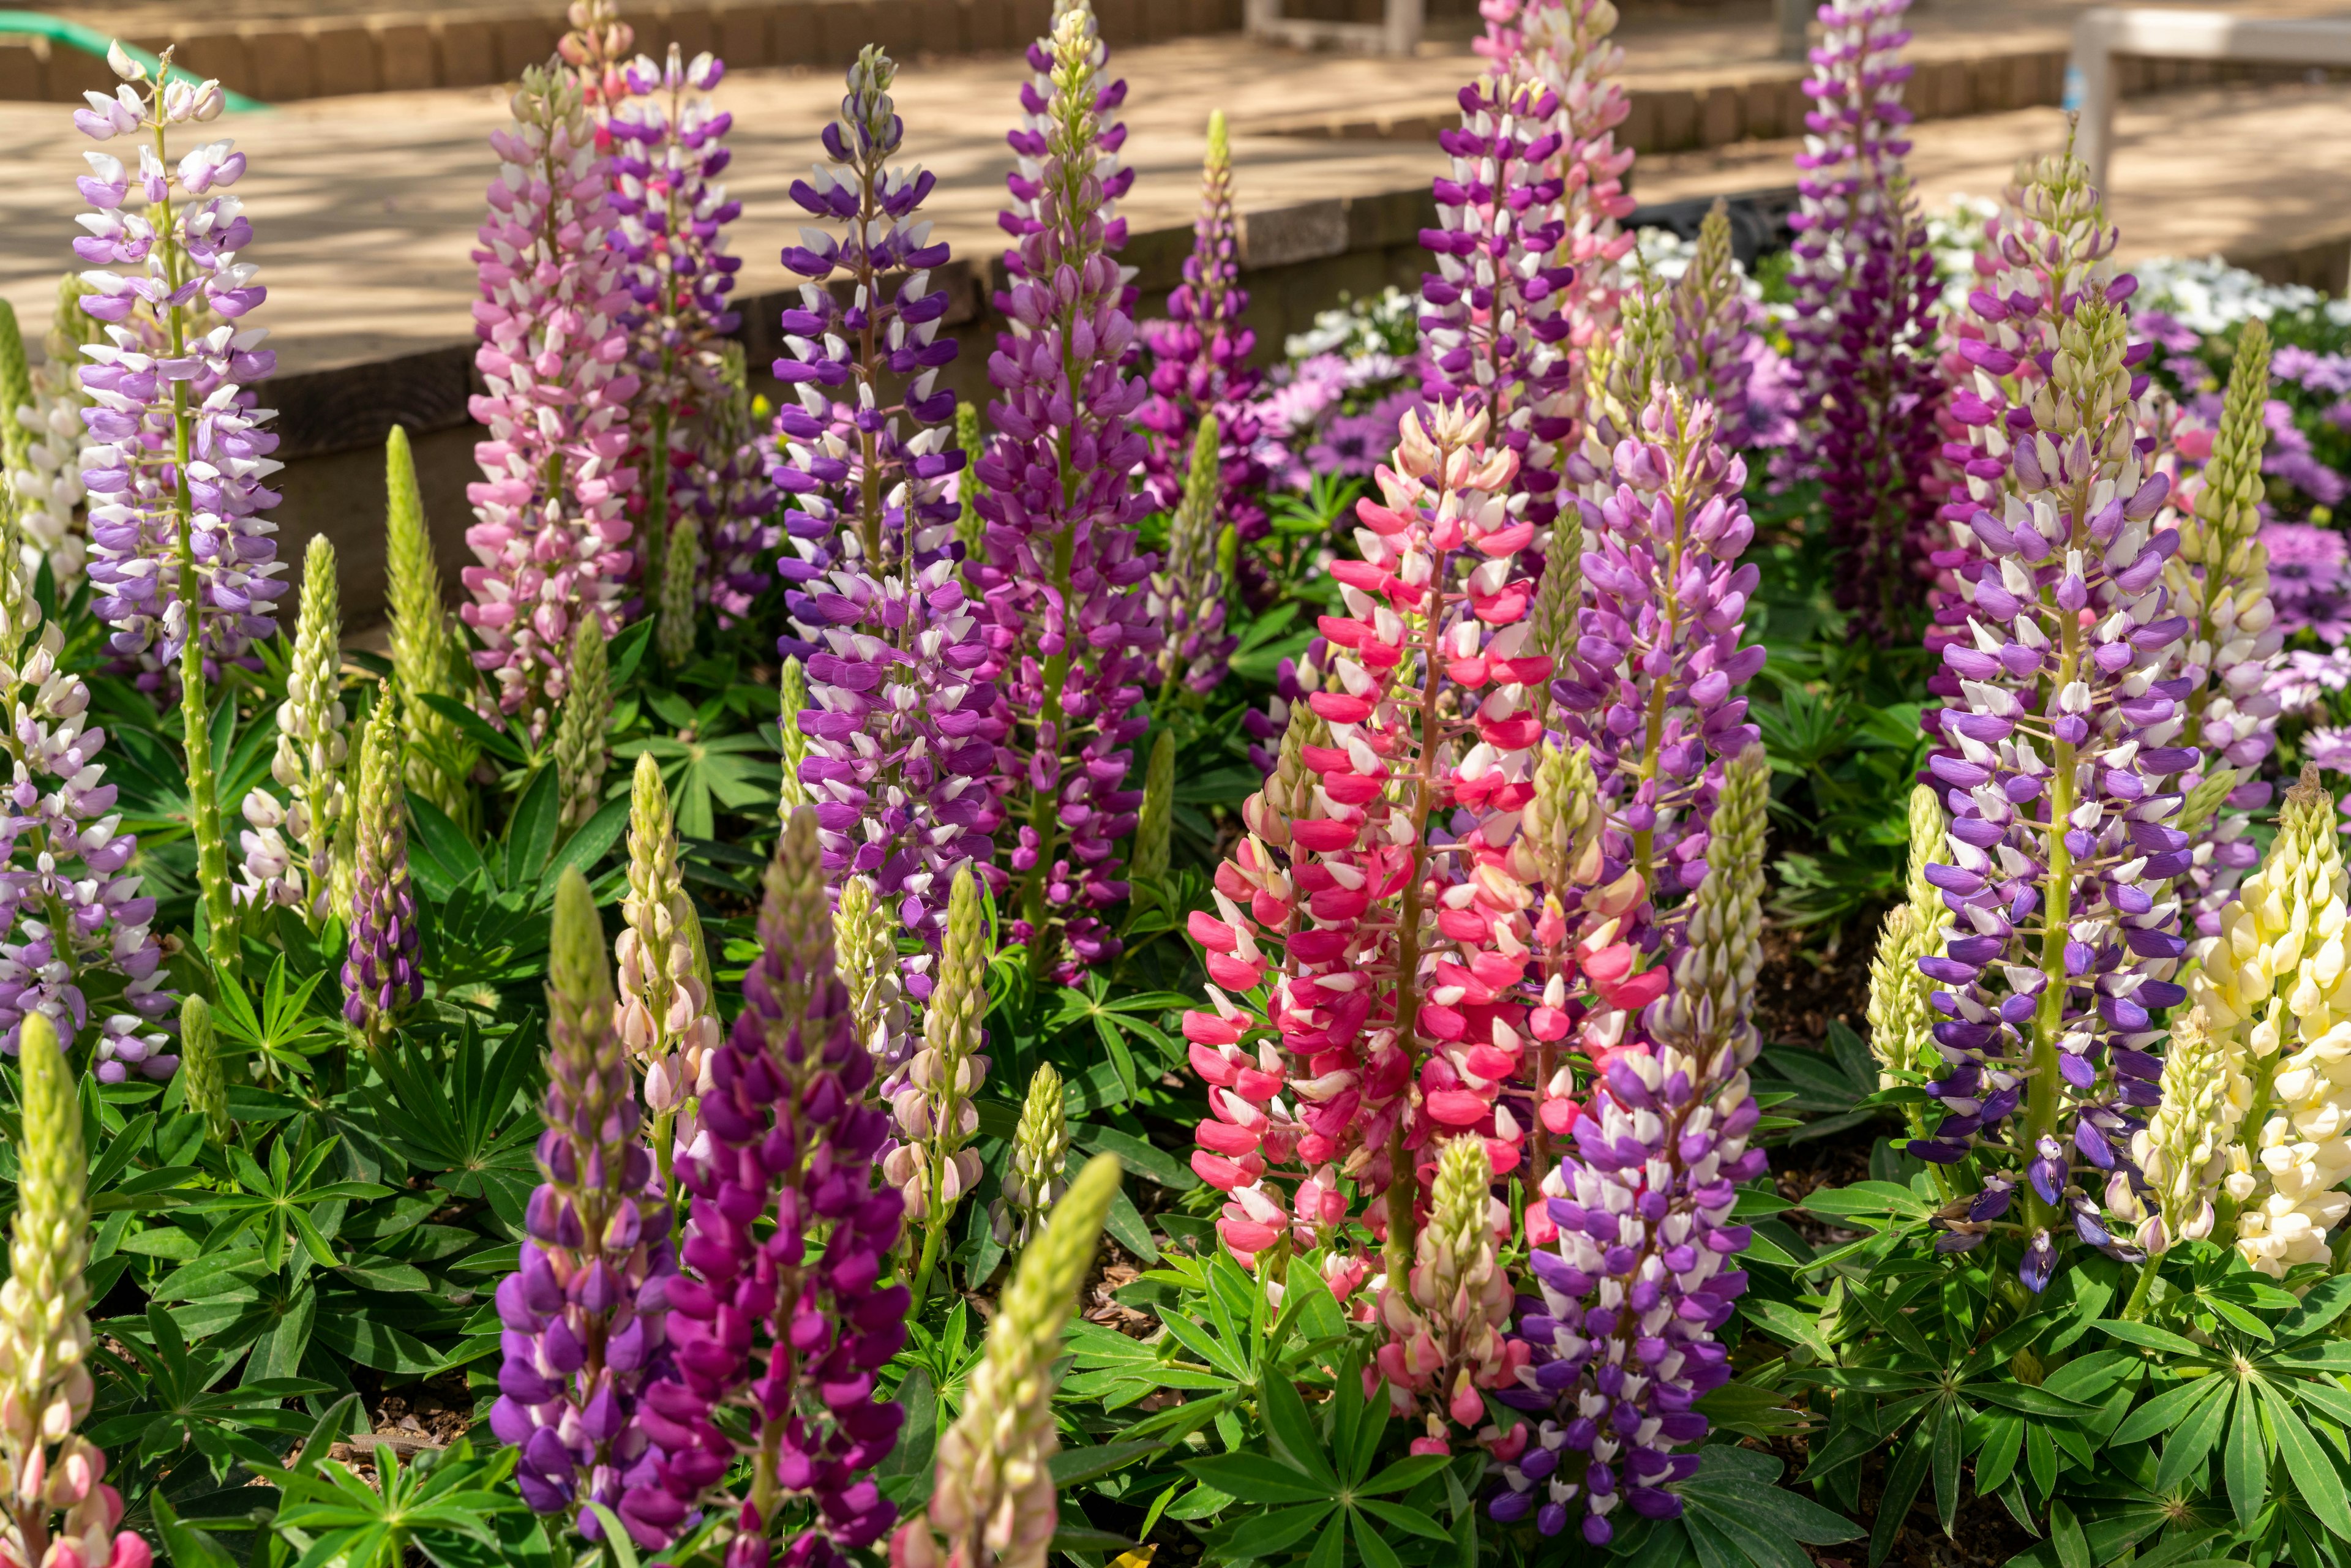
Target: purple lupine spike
x=1651, y=685
x=1063, y=580
x=379, y=975
x=1862, y=340
x=2059, y=754
x=1621, y=1338
x=1495, y=331
x=583, y=1314
x=793, y=1332
x=173, y=343
x=902, y=722
x=1199, y=360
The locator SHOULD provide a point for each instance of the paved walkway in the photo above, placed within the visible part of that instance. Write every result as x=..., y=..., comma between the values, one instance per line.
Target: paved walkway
x=364, y=207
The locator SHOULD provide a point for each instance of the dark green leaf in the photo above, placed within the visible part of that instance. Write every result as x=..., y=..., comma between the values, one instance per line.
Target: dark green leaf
x=1292, y=1431
x=1257, y=1478
x=2244, y=1462
x=2193, y=1435
x=1903, y=1481
x=1074, y=1466
x=2316, y=1478
x=2327, y=1300
x=1404, y=1475
x=1405, y=1519
x=1263, y=1535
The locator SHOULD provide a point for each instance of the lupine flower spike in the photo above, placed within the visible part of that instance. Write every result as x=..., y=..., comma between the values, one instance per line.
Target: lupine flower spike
x=583, y=742
x=2274, y=989
x=666, y=1017
x=2221, y=578
x=16, y=397
x=865, y=935
x=1064, y=578
x=552, y=532
x=993, y=1505
x=1200, y=363
x=789, y=1322
x=1623, y=1342
x=1040, y=1153
x=1155, y=824
x=1651, y=689
x=425, y=659
x=2184, y=1152
x=931, y=1097
x=1713, y=337
x=379, y=975
x=2058, y=757
x=1403, y=939
x=183, y=564
x=57, y=1512
x=583, y=1314
x=48, y=487
x=1446, y=1325
x=201, y=1079
x=901, y=723
x=791, y=690
x=1188, y=595
x=69, y=915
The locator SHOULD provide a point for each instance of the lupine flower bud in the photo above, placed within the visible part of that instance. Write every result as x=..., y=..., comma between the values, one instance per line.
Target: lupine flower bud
x=674, y=621
x=1712, y=322
x=931, y=1096
x=1040, y=1153
x=1900, y=1024
x=970, y=528
x=761, y=1318
x=552, y=532
x=2221, y=578
x=583, y=742
x=425, y=661
x=1063, y=580
x=1446, y=1328
x=1188, y=595
x=792, y=696
x=380, y=975
x=1155, y=823
x=15, y=394
x=52, y=1470
x=666, y=1018
x=993, y=1503
x=866, y=935
x=68, y=910
x=311, y=748
x=2184, y=1152
x=1622, y=1342
x=2272, y=985
x=584, y=1315
x=200, y=1071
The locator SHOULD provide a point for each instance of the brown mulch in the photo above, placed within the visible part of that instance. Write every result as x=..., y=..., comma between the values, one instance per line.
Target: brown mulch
x=1806, y=984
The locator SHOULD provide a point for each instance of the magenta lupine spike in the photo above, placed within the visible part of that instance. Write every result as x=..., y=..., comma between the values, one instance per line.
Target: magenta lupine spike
x=1064, y=583
x=1568, y=48
x=1862, y=339
x=158, y=351
x=1651, y=684
x=2058, y=757
x=1199, y=360
x=902, y=722
x=1493, y=329
x=793, y=1326
x=1623, y=1340
x=551, y=533
x=582, y=1315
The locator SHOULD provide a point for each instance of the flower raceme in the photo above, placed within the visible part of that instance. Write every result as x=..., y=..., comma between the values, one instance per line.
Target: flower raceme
x=551, y=533
x=1446, y=1325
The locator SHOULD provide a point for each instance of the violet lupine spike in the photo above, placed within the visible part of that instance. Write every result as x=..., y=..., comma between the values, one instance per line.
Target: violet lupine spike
x=667, y=152
x=379, y=975
x=68, y=910
x=1622, y=1336
x=902, y=723
x=1493, y=332
x=1065, y=581
x=1651, y=684
x=582, y=1315
x=551, y=534
x=727, y=493
x=1199, y=360
x=2058, y=757
x=1862, y=340
x=1713, y=335
x=794, y=1332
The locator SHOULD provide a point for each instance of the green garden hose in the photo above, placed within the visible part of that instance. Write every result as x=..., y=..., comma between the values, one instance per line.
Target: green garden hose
x=90, y=41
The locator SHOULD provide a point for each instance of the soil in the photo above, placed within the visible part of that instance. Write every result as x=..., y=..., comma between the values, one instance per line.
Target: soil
x=1809, y=980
